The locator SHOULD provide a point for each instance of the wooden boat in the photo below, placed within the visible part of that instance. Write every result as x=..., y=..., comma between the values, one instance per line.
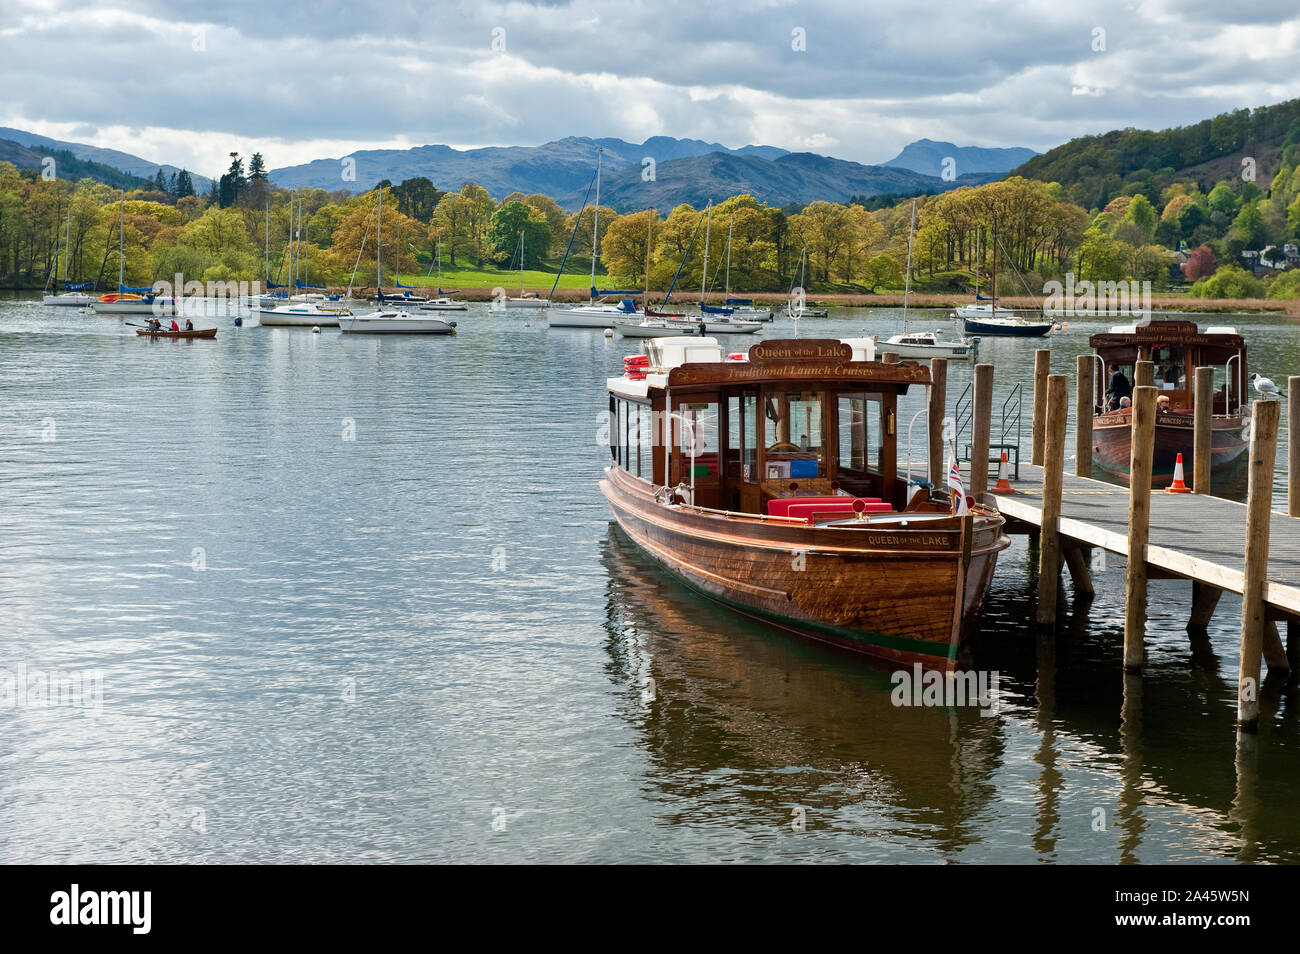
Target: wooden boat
x=722, y=472
x=1178, y=348
x=168, y=333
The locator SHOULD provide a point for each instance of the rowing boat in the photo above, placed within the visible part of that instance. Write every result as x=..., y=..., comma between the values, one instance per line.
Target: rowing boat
x=167, y=333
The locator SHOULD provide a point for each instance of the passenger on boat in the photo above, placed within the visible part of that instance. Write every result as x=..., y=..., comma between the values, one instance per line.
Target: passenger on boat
x=1119, y=387
x=175, y=327
x=1162, y=403
x=155, y=324
x=189, y=324
x=1125, y=404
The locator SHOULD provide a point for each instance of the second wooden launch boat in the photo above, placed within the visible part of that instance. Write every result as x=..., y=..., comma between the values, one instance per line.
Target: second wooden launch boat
x=769, y=482
x=1177, y=348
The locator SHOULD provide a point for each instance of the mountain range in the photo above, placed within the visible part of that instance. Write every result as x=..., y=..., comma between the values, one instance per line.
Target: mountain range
x=661, y=171
x=927, y=157
x=124, y=161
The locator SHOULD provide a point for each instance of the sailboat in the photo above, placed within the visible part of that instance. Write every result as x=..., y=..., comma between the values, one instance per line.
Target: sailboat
x=990, y=319
x=923, y=344
x=300, y=311
x=718, y=320
x=443, y=302
x=72, y=295
x=798, y=308
x=740, y=308
x=387, y=319
x=532, y=302
x=131, y=301
x=594, y=314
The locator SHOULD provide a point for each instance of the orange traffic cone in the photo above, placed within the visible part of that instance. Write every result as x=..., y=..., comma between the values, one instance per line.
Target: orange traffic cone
x=1178, y=487
x=1003, y=485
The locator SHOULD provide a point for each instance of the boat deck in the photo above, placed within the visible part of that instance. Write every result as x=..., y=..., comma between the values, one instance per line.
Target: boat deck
x=1191, y=535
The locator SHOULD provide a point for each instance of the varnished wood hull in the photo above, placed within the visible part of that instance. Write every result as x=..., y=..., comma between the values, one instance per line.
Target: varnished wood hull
x=904, y=597
x=1112, y=446
x=195, y=333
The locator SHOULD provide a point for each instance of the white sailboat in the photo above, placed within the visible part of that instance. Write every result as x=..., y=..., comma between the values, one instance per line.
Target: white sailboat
x=396, y=321
x=527, y=302
x=797, y=307
x=300, y=311
x=923, y=344
x=125, y=301
x=73, y=297
x=443, y=303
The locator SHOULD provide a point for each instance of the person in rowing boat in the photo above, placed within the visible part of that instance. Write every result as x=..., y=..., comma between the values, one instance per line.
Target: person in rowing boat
x=175, y=327
x=189, y=324
x=155, y=324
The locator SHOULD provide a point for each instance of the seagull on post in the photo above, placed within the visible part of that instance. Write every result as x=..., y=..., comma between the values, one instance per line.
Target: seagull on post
x=1264, y=386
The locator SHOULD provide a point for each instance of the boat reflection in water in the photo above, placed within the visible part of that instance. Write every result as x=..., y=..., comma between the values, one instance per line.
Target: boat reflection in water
x=744, y=725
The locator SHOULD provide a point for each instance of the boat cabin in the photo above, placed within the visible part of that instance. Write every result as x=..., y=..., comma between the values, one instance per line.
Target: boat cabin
x=1177, y=348
x=792, y=418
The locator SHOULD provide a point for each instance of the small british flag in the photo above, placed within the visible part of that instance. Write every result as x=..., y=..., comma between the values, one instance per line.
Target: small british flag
x=956, y=487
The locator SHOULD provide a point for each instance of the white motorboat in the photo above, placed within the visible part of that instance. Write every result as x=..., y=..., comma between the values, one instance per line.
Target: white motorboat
x=396, y=322
x=926, y=344
x=750, y=312
x=592, y=316
x=727, y=325
x=69, y=299
x=444, y=304
x=512, y=304
x=656, y=327
x=303, y=314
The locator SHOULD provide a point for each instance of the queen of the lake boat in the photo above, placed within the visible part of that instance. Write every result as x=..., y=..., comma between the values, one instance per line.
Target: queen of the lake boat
x=769, y=482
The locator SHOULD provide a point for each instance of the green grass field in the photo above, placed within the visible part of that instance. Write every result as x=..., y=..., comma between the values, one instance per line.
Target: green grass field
x=577, y=276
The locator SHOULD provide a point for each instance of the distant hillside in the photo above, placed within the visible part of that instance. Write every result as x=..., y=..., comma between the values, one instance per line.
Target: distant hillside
x=792, y=179
x=133, y=165
x=68, y=167
x=1095, y=169
x=555, y=168
x=927, y=156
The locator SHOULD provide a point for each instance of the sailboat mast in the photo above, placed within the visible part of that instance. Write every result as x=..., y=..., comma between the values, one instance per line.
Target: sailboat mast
x=993, y=286
x=268, y=243
x=67, y=246
x=379, y=247
x=730, y=226
x=907, y=279
x=649, y=221
x=521, y=265
x=439, y=264
x=704, y=275
x=121, y=245
x=595, y=227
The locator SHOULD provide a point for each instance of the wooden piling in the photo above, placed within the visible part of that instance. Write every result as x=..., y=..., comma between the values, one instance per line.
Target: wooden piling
x=1292, y=447
x=1085, y=401
x=1144, y=374
x=1049, y=542
x=889, y=357
x=1139, y=519
x=1076, y=559
x=938, y=411
x=981, y=423
x=1042, y=368
x=1202, y=411
x=1205, y=599
x=1259, y=498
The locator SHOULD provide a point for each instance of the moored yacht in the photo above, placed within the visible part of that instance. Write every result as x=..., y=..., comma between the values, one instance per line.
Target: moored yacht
x=300, y=314
x=389, y=321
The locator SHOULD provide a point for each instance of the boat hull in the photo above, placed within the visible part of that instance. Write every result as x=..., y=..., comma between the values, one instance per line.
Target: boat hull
x=196, y=333
x=135, y=306
x=904, y=597
x=582, y=318
x=1006, y=328
x=70, y=300
x=411, y=325
x=1112, y=446
x=296, y=319
x=953, y=352
x=520, y=304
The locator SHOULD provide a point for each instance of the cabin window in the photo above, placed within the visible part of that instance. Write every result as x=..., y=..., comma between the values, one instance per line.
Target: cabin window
x=645, y=443
x=860, y=431
x=795, y=443
x=700, y=419
x=742, y=437
x=1171, y=367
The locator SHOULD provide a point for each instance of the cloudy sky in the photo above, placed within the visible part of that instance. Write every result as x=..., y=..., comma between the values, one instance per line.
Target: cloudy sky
x=188, y=81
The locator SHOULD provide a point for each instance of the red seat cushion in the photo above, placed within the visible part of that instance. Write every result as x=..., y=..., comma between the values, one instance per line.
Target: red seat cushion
x=841, y=506
x=780, y=506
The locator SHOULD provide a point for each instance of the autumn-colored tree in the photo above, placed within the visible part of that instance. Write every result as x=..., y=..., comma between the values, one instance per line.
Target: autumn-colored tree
x=1199, y=264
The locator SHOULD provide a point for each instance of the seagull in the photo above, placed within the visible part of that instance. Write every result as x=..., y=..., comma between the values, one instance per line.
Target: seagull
x=1264, y=386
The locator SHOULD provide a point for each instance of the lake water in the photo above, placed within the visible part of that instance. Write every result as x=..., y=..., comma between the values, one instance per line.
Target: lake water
x=336, y=598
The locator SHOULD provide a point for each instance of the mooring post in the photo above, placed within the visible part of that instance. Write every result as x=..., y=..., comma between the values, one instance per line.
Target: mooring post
x=1292, y=447
x=889, y=357
x=981, y=422
x=1049, y=538
x=1205, y=599
x=1042, y=368
x=1139, y=520
x=1144, y=374
x=938, y=410
x=1264, y=416
x=1202, y=411
x=1085, y=400
x=1076, y=560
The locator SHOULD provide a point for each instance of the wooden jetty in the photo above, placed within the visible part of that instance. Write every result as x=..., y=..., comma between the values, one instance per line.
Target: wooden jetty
x=1219, y=545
